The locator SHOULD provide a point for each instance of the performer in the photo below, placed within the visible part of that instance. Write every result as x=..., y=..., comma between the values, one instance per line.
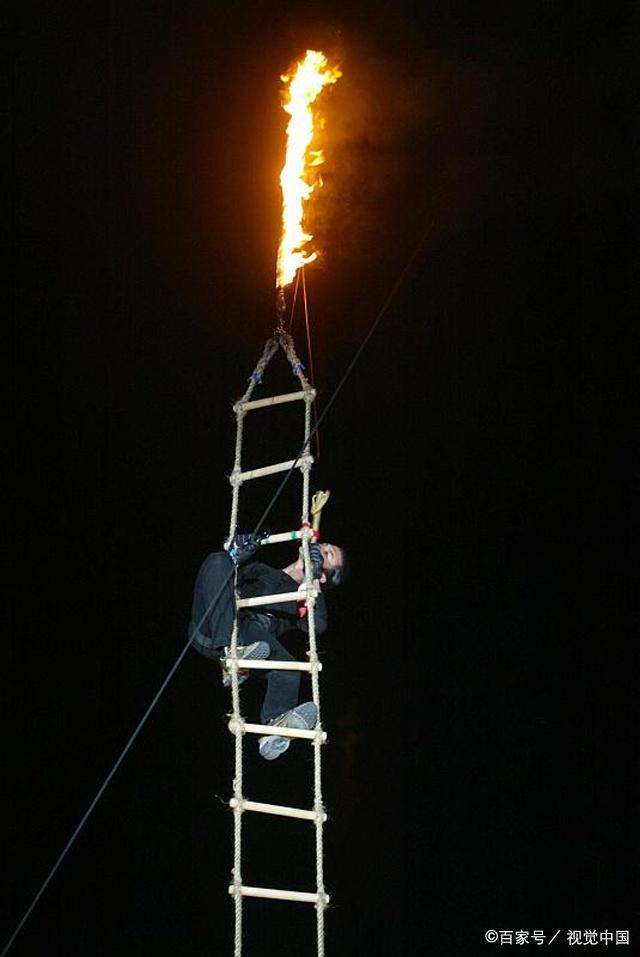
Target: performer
x=259, y=631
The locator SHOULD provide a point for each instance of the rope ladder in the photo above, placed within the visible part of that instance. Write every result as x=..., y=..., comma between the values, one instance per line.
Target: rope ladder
x=237, y=724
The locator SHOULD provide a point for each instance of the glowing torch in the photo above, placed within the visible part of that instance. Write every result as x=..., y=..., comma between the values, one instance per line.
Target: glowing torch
x=299, y=178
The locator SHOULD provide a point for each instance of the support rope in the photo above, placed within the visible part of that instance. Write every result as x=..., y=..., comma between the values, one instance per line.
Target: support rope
x=310, y=354
x=293, y=302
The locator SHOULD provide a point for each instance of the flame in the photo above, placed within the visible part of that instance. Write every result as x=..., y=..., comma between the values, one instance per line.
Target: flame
x=302, y=87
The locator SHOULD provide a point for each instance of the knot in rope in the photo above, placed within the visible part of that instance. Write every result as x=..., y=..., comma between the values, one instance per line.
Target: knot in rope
x=322, y=902
x=307, y=534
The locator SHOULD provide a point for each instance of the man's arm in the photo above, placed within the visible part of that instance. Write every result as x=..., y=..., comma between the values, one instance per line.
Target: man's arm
x=258, y=579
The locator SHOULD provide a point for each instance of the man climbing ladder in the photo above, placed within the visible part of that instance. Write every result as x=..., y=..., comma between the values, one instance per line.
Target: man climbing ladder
x=260, y=631
x=243, y=608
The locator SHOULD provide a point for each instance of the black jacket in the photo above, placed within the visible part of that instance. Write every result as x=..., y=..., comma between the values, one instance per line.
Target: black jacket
x=210, y=627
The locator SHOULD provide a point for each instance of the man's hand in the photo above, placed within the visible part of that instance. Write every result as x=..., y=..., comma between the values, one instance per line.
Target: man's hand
x=243, y=546
x=317, y=560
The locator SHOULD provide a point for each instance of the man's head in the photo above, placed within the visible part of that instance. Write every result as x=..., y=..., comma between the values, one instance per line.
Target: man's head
x=335, y=565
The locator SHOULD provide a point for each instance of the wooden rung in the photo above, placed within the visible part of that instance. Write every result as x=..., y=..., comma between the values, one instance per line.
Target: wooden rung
x=272, y=469
x=269, y=665
x=277, y=894
x=273, y=400
x=271, y=599
x=281, y=537
x=279, y=809
x=265, y=729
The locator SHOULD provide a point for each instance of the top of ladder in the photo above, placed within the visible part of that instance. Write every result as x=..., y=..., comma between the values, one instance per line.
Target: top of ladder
x=280, y=340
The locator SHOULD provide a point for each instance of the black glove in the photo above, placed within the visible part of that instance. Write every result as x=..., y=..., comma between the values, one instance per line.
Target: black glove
x=243, y=546
x=317, y=560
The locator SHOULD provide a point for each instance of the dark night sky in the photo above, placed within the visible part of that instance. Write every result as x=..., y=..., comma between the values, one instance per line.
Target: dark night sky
x=479, y=688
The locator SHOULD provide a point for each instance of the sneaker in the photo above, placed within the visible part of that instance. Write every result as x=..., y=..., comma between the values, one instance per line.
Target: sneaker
x=304, y=716
x=259, y=649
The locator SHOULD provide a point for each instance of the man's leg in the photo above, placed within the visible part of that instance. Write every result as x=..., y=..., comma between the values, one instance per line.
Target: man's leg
x=211, y=624
x=283, y=687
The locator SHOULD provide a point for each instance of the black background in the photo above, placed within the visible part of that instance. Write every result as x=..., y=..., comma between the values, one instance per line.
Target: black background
x=479, y=687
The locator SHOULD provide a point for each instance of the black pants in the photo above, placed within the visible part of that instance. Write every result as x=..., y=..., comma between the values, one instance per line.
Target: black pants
x=283, y=687
x=210, y=636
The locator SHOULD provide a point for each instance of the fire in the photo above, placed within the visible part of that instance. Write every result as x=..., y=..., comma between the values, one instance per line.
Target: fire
x=302, y=87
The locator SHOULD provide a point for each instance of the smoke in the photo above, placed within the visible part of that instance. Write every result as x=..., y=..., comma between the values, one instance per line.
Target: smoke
x=397, y=152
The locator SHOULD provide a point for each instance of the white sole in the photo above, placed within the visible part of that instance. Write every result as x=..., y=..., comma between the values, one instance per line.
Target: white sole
x=273, y=746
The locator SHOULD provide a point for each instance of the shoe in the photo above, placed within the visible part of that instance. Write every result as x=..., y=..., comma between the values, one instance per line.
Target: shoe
x=304, y=716
x=259, y=649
